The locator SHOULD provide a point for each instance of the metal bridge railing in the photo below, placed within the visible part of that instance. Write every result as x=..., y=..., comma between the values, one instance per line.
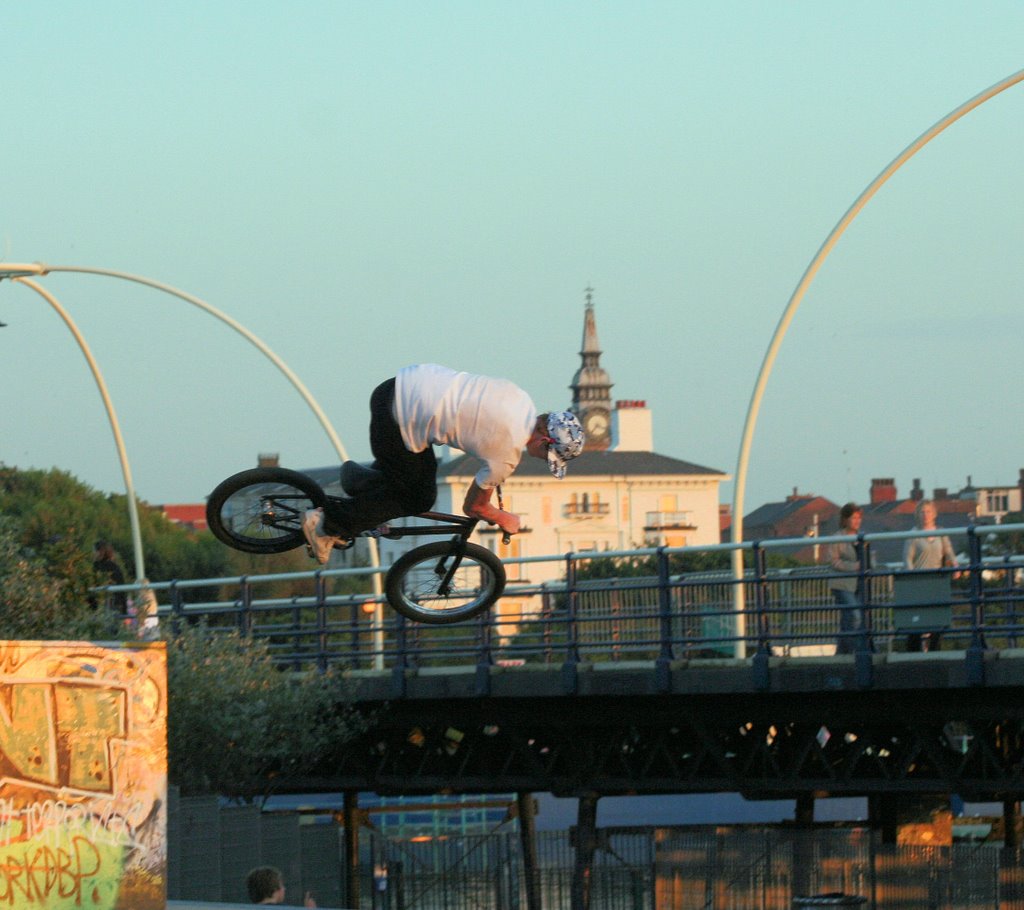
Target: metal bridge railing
x=617, y=606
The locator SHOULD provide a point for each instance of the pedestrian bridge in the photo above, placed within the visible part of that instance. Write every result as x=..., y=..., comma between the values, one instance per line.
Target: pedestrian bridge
x=637, y=673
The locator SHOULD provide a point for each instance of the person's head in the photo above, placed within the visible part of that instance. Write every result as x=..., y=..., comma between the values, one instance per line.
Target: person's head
x=558, y=437
x=266, y=885
x=850, y=517
x=925, y=513
x=102, y=550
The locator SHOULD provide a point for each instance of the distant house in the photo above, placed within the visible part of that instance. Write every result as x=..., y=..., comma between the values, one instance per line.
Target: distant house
x=995, y=502
x=188, y=515
x=799, y=515
x=808, y=515
x=887, y=512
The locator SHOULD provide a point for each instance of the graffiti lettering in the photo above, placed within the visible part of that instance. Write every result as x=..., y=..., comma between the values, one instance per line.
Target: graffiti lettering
x=59, y=734
x=53, y=819
x=44, y=872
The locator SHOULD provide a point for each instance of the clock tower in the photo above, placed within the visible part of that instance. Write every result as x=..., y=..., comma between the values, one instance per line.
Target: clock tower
x=591, y=387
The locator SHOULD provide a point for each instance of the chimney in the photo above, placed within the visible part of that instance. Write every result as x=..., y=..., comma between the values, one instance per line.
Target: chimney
x=268, y=460
x=917, y=494
x=632, y=429
x=883, y=489
x=940, y=493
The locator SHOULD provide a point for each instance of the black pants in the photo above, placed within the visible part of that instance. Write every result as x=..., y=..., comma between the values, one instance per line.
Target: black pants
x=409, y=484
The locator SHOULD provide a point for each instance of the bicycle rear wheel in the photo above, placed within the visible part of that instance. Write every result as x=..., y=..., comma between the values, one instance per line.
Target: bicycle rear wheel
x=261, y=510
x=415, y=583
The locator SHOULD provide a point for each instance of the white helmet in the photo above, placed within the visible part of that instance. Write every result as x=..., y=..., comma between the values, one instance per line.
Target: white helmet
x=567, y=440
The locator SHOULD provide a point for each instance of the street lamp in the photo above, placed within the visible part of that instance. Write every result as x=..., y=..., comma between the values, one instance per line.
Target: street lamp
x=787, y=317
x=133, y=511
x=23, y=273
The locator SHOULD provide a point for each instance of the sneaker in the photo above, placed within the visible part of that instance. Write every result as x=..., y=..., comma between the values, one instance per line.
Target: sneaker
x=319, y=544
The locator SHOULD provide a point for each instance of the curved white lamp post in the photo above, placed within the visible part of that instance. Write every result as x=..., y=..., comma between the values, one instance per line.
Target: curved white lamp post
x=133, y=509
x=21, y=272
x=787, y=317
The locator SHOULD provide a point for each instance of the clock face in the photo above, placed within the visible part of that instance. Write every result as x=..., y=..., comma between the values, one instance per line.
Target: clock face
x=597, y=424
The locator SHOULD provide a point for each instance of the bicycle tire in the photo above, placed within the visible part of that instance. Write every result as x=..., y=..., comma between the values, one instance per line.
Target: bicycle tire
x=412, y=584
x=261, y=510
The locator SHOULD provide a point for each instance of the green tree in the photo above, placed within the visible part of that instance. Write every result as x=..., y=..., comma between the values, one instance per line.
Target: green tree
x=36, y=604
x=238, y=726
x=59, y=518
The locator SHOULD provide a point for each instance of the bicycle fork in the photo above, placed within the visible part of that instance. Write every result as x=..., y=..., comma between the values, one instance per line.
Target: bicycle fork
x=447, y=572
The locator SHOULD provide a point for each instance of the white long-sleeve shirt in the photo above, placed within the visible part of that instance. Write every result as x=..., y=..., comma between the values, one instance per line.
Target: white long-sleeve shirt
x=491, y=419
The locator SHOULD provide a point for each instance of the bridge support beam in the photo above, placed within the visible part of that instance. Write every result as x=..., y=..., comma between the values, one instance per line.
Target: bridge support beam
x=1011, y=873
x=803, y=852
x=586, y=844
x=528, y=842
x=350, y=810
x=1011, y=824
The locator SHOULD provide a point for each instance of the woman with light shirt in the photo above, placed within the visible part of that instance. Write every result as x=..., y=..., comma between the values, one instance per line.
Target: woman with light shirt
x=923, y=554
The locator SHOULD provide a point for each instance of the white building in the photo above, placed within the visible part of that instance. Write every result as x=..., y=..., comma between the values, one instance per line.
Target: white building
x=993, y=503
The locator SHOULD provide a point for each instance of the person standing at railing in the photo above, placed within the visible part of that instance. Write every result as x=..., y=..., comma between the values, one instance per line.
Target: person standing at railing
x=921, y=554
x=108, y=569
x=846, y=590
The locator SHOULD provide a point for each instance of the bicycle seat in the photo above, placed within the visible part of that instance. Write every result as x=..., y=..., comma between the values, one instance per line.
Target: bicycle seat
x=358, y=478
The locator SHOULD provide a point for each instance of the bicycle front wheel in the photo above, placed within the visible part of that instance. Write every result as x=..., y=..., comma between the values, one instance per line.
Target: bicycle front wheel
x=261, y=510
x=416, y=584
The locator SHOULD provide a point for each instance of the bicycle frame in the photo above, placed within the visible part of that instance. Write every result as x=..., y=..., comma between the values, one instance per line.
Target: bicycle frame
x=463, y=526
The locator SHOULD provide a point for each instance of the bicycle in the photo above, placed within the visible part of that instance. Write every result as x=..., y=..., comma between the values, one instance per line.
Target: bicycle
x=261, y=511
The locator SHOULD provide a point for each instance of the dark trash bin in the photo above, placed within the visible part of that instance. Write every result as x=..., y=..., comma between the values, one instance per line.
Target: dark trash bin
x=835, y=899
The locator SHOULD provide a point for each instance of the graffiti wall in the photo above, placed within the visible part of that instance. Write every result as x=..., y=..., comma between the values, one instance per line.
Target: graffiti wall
x=83, y=776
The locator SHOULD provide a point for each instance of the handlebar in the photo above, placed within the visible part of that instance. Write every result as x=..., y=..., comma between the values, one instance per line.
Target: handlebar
x=506, y=538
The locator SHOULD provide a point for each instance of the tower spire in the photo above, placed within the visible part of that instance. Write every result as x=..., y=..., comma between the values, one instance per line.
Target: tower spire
x=591, y=387
x=591, y=346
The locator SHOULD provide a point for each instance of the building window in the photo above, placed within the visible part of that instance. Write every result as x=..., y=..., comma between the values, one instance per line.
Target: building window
x=586, y=504
x=997, y=502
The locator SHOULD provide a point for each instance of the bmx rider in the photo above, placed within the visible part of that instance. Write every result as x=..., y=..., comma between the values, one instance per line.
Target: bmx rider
x=425, y=405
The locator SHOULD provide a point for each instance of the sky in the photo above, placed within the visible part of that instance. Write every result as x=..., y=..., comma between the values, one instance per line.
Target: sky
x=363, y=186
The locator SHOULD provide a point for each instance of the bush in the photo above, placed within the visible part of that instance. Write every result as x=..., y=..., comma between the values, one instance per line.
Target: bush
x=238, y=726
